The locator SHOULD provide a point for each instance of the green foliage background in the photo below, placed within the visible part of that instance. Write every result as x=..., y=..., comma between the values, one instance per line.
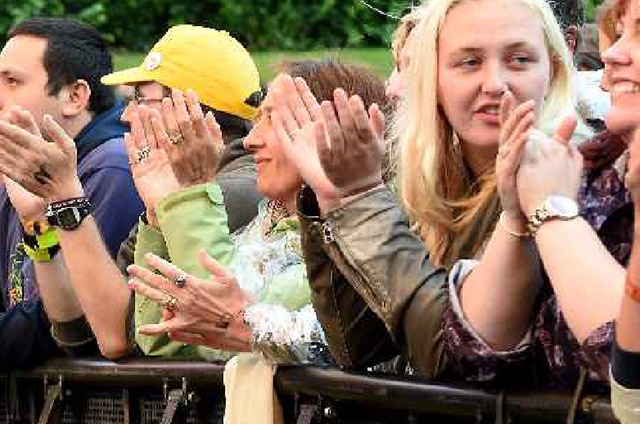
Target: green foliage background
x=260, y=24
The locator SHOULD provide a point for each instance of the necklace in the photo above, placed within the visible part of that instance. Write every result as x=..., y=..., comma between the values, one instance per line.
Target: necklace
x=276, y=211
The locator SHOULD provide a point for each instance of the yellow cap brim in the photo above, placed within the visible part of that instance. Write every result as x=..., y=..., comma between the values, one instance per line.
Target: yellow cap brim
x=127, y=76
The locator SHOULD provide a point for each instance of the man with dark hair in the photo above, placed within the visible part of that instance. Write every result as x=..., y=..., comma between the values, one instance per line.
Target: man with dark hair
x=571, y=17
x=66, y=57
x=51, y=68
x=176, y=187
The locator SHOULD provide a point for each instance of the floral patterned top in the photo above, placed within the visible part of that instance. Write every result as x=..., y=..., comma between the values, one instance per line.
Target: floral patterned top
x=549, y=356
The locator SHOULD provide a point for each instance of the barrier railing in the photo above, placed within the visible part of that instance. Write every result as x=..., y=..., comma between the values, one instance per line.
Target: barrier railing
x=152, y=391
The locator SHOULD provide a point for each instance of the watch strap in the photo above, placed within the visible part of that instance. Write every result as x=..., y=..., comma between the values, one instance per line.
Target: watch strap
x=80, y=206
x=549, y=211
x=71, y=202
x=536, y=219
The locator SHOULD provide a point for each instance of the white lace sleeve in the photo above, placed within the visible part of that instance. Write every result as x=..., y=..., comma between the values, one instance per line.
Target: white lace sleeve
x=285, y=336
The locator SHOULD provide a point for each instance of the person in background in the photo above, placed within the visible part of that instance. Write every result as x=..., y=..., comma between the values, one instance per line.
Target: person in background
x=50, y=69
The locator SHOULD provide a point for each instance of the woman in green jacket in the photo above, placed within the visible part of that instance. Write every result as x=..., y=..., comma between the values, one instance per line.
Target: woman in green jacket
x=262, y=298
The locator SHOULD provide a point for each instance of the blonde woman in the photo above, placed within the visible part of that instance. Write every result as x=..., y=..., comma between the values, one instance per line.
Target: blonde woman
x=466, y=57
x=582, y=224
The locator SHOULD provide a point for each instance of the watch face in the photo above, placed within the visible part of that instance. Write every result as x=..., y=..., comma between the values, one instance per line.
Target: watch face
x=68, y=218
x=562, y=207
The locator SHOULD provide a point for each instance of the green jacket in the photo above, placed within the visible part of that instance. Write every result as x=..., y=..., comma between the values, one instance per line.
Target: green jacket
x=270, y=266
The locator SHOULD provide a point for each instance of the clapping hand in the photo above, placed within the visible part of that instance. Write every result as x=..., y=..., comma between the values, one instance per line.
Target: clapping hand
x=348, y=140
x=297, y=118
x=193, y=141
x=47, y=170
x=515, y=125
x=550, y=166
x=150, y=167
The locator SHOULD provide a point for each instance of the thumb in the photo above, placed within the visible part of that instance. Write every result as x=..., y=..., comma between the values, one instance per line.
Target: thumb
x=565, y=130
x=217, y=271
x=213, y=127
x=376, y=120
x=24, y=119
x=507, y=105
x=58, y=135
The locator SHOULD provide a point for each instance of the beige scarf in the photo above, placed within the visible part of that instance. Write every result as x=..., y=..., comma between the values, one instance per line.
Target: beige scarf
x=249, y=391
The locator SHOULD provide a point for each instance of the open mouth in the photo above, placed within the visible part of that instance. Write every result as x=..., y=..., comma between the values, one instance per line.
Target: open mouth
x=489, y=114
x=624, y=87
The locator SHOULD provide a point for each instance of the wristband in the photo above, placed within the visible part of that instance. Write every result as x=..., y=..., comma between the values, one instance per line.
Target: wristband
x=631, y=289
x=68, y=214
x=43, y=247
x=41, y=255
x=34, y=228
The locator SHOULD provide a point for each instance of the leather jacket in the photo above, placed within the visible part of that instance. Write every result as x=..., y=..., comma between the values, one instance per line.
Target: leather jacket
x=373, y=288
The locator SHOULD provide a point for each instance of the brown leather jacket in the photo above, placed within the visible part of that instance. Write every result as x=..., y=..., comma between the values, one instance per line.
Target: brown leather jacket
x=373, y=288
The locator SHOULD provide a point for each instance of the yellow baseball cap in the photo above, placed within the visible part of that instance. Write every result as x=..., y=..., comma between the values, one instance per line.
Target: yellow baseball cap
x=211, y=62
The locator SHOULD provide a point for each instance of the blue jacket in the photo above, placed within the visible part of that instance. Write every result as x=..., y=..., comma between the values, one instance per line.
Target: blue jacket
x=104, y=172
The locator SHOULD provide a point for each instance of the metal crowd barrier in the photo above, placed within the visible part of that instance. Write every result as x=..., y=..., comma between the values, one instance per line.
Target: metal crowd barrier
x=149, y=391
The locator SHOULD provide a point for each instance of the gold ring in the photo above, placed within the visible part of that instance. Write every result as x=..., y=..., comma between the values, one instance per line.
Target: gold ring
x=170, y=303
x=175, y=137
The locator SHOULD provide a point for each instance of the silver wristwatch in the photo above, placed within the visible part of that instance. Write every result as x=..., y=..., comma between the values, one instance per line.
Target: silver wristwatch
x=554, y=207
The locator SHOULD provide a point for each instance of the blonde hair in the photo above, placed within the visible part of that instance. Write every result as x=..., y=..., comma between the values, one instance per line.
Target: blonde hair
x=399, y=41
x=407, y=23
x=606, y=15
x=453, y=211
